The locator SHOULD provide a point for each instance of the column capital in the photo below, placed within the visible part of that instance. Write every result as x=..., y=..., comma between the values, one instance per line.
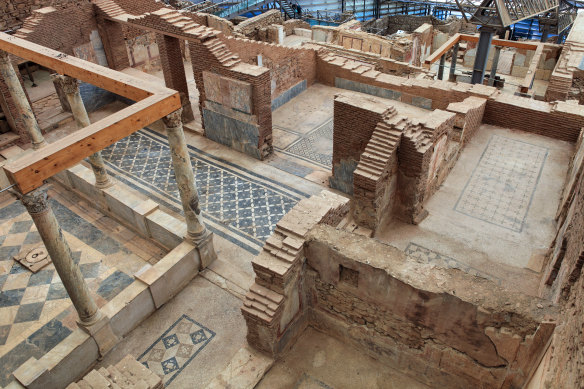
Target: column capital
x=69, y=84
x=4, y=57
x=173, y=120
x=36, y=201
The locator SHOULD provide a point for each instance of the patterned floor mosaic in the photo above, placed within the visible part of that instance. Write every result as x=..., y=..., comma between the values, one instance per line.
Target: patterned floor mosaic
x=239, y=205
x=35, y=311
x=176, y=348
x=502, y=185
x=315, y=146
x=309, y=382
x=425, y=255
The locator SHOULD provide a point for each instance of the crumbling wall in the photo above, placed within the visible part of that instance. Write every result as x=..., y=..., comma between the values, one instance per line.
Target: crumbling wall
x=291, y=24
x=14, y=12
x=355, y=119
x=142, y=51
x=252, y=26
x=422, y=159
x=469, y=116
x=288, y=66
x=558, y=120
x=66, y=29
x=445, y=327
x=563, y=282
x=422, y=39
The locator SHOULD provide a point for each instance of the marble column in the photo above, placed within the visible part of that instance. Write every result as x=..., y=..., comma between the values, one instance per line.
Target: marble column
x=23, y=108
x=197, y=232
x=71, y=89
x=36, y=202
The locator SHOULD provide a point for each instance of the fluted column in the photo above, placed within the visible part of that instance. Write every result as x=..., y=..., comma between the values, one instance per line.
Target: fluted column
x=197, y=232
x=71, y=88
x=23, y=108
x=36, y=202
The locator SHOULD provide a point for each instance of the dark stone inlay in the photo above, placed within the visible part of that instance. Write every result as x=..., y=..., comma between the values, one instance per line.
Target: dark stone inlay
x=10, y=298
x=43, y=277
x=29, y=312
x=114, y=284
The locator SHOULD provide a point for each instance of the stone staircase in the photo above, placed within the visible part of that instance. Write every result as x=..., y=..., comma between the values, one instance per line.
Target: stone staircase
x=382, y=146
x=127, y=374
x=109, y=8
x=221, y=52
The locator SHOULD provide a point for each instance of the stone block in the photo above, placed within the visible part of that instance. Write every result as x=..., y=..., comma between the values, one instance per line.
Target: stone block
x=212, y=84
x=83, y=180
x=240, y=94
x=141, y=211
x=129, y=308
x=120, y=201
x=165, y=229
x=171, y=273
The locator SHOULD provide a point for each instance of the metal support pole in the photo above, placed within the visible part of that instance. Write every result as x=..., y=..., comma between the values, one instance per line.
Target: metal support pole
x=441, y=67
x=71, y=89
x=453, y=59
x=494, y=66
x=197, y=232
x=23, y=107
x=37, y=204
x=482, y=55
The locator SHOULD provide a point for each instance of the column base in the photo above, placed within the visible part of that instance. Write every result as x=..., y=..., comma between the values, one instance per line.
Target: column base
x=104, y=185
x=101, y=331
x=205, y=247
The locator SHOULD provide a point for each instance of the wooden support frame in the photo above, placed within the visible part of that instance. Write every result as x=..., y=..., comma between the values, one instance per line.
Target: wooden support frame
x=435, y=56
x=153, y=102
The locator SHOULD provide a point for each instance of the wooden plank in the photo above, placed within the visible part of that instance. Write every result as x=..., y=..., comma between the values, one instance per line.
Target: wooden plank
x=435, y=56
x=29, y=171
x=530, y=76
x=501, y=42
x=105, y=78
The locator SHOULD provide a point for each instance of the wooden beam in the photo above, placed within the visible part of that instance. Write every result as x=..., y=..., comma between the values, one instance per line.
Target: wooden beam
x=501, y=42
x=435, y=56
x=124, y=85
x=530, y=76
x=29, y=171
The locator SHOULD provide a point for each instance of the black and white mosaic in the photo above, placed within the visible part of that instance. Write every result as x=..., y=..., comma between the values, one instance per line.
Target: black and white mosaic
x=502, y=185
x=176, y=348
x=239, y=205
x=315, y=146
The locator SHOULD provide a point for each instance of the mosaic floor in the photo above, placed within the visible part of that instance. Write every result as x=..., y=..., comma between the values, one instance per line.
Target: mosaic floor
x=35, y=311
x=176, y=348
x=238, y=204
x=502, y=185
x=315, y=146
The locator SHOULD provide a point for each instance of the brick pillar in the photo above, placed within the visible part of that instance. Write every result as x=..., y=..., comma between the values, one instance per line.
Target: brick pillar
x=173, y=68
x=112, y=36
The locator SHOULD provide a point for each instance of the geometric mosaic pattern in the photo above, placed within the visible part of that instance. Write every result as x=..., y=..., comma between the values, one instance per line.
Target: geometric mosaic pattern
x=425, y=255
x=502, y=185
x=250, y=208
x=176, y=348
x=315, y=146
x=36, y=305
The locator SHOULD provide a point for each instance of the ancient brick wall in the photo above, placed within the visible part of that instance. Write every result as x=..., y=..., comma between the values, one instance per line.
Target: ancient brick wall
x=372, y=295
x=16, y=123
x=422, y=39
x=288, y=65
x=203, y=60
x=563, y=282
x=469, y=116
x=559, y=120
x=60, y=29
x=252, y=26
x=14, y=12
x=355, y=119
